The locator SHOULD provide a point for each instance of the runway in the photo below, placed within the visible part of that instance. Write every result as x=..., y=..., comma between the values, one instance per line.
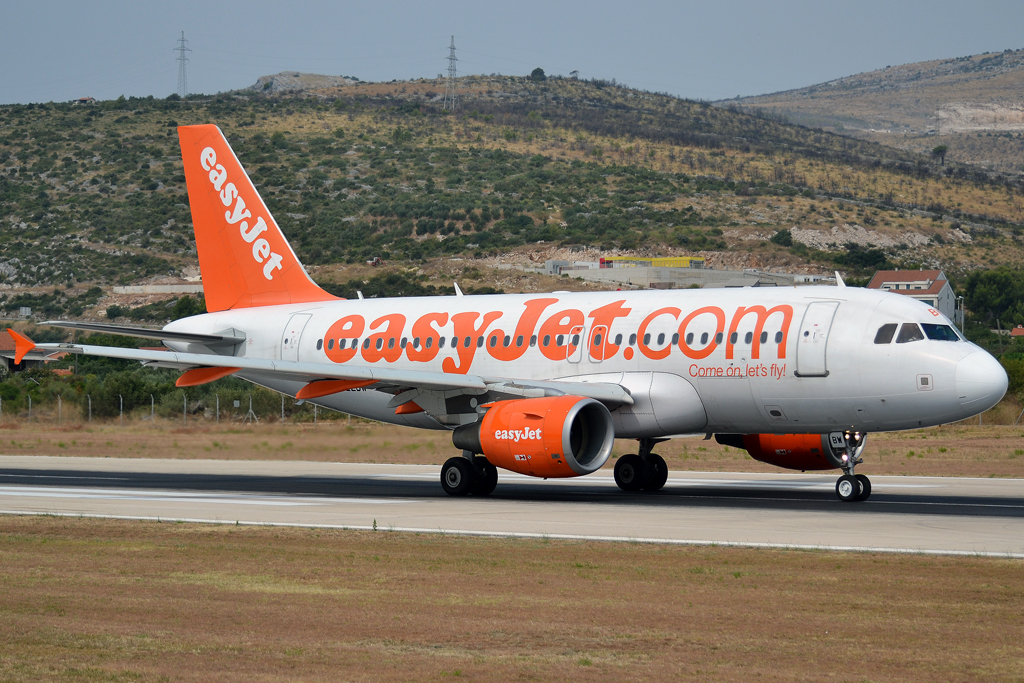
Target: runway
x=934, y=515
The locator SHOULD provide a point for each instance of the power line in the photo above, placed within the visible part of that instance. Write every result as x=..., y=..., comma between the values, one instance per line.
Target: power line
x=449, y=89
x=182, y=61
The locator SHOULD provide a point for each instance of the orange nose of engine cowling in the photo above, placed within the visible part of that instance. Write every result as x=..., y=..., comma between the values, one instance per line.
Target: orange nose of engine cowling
x=559, y=436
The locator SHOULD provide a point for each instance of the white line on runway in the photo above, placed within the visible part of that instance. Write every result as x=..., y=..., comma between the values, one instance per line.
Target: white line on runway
x=561, y=537
x=178, y=497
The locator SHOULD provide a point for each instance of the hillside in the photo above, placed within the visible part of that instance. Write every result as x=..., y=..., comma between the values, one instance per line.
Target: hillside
x=974, y=105
x=521, y=172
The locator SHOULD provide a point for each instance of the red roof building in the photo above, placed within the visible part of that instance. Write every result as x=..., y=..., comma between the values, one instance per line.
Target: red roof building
x=928, y=286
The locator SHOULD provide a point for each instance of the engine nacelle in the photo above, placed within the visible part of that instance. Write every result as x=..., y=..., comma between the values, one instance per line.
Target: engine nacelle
x=557, y=436
x=796, y=451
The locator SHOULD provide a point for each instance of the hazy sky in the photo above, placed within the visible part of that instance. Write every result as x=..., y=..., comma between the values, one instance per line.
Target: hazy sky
x=54, y=51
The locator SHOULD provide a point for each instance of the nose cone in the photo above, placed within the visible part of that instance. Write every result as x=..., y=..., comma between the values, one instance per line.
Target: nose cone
x=980, y=382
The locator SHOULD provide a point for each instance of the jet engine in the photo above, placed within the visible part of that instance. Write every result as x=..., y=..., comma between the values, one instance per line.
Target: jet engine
x=796, y=451
x=557, y=436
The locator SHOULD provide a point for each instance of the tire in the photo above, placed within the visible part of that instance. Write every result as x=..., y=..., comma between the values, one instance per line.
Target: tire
x=865, y=487
x=657, y=472
x=458, y=476
x=630, y=472
x=848, y=488
x=487, y=477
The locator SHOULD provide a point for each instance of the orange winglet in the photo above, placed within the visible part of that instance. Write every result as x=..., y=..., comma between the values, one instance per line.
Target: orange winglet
x=331, y=386
x=22, y=345
x=197, y=376
x=408, y=408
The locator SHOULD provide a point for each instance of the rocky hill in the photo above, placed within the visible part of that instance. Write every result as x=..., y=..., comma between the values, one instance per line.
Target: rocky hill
x=520, y=172
x=974, y=105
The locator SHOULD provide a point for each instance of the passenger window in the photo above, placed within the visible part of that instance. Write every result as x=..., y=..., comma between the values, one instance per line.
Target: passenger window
x=718, y=338
x=430, y=342
x=885, y=333
x=467, y=342
x=778, y=337
x=494, y=340
x=533, y=341
x=661, y=339
x=618, y=339
x=547, y=340
x=910, y=332
x=647, y=339
x=733, y=337
x=597, y=339
x=440, y=342
x=559, y=339
x=416, y=343
x=479, y=342
x=940, y=332
x=632, y=339
x=330, y=344
x=391, y=343
x=748, y=337
x=519, y=340
x=506, y=341
x=704, y=338
x=764, y=337
x=675, y=338
x=319, y=344
x=689, y=338
x=405, y=340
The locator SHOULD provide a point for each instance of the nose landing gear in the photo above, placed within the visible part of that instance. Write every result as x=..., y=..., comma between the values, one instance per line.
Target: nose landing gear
x=851, y=487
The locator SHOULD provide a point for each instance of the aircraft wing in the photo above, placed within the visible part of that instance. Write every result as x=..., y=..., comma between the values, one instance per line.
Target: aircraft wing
x=200, y=367
x=227, y=338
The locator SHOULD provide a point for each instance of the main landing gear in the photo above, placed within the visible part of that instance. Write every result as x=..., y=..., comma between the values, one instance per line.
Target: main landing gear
x=468, y=474
x=643, y=471
x=851, y=487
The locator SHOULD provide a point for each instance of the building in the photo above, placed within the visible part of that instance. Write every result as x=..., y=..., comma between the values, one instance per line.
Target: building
x=928, y=286
x=657, y=262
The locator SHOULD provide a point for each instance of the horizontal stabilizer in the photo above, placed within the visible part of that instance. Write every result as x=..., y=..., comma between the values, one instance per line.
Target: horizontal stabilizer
x=150, y=333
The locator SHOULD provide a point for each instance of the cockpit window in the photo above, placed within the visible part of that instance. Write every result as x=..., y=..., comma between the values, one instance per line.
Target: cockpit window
x=885, y=333
x=940, y=332
x=910, y=332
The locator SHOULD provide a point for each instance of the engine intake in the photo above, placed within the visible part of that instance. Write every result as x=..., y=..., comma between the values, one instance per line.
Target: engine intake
x=557, y=436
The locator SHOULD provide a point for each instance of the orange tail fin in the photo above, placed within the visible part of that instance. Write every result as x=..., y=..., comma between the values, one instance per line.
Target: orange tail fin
x=244, y=257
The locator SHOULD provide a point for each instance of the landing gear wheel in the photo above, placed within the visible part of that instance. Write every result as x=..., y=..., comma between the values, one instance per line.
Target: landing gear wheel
x=630, y=472
x=458, y=476
x=487, y=477
x=848, y=488
x=657, y=472
x=865, y=487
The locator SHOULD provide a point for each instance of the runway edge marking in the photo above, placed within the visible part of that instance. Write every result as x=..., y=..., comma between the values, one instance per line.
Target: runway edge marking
x=533, y=535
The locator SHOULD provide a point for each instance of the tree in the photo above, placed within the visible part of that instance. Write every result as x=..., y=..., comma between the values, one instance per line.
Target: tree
x=940, y=152
x=537, y=75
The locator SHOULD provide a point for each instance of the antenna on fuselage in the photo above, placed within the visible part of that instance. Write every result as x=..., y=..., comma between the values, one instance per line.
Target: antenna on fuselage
x=839, y=280
x=458, y=292
x=359, y=294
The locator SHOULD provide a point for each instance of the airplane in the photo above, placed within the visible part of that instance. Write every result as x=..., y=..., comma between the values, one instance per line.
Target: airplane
x=542, y=384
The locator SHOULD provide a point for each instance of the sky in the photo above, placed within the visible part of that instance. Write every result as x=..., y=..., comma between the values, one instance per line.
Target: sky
x=61, y=50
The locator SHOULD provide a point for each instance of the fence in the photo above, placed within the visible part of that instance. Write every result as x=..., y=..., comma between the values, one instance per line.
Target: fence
x=59, y=411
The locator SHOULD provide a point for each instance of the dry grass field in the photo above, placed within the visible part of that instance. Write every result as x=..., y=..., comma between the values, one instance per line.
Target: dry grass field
x=93, y=600
x=962, y=450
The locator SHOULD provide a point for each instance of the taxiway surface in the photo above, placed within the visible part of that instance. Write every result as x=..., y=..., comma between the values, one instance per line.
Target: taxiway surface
x=904, y=514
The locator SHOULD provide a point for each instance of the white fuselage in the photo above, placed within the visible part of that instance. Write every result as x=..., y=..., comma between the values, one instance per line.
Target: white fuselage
x=760, y=360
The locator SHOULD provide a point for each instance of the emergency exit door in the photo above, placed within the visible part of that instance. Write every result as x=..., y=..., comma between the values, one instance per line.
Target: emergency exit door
x=292, y=335
x=812, y=344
